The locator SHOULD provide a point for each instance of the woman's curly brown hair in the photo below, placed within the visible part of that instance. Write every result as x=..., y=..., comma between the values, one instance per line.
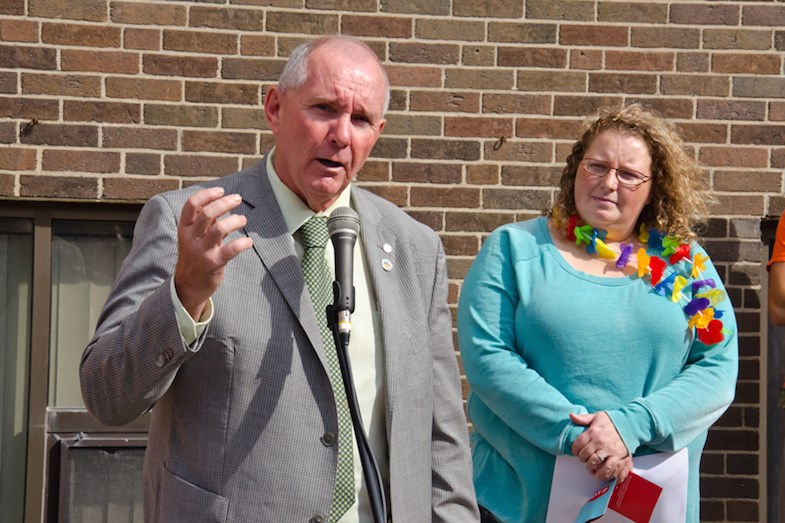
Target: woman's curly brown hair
x=677, y=203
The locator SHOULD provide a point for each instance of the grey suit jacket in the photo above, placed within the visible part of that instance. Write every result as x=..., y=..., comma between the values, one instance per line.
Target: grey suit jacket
x=236, y=432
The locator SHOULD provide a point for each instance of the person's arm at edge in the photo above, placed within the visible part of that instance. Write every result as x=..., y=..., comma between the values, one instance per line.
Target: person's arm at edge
x=776, y=297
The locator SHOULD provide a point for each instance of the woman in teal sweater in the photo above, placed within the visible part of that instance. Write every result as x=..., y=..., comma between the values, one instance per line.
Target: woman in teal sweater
x=602, y=330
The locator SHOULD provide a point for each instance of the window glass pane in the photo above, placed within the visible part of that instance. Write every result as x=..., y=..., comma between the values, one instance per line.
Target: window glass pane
x=16, y=274
x=105, y=485
x=86, y=256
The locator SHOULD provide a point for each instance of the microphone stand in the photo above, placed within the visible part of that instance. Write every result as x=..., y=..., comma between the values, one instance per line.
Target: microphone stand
x=339, y=324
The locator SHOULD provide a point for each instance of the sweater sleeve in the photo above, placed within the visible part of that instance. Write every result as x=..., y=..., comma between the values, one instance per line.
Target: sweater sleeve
x=497, y=372
x=672, y=416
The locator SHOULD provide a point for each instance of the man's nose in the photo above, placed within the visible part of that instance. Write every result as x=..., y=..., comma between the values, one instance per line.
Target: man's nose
x=341, y=130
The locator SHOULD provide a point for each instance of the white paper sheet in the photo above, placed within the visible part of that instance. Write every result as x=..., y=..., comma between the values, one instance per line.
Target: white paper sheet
x=572, y=486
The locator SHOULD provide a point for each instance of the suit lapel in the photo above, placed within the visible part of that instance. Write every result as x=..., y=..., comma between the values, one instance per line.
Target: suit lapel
x=375, y=235
x=273, y=245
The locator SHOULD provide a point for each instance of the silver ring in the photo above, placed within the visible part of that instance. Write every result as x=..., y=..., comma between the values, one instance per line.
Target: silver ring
x=602, y=460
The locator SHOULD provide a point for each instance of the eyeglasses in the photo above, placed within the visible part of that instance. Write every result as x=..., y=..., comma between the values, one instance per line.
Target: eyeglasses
x=626, y=177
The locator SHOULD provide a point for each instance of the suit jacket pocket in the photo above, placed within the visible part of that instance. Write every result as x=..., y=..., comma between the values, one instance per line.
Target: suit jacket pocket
x=182, y=501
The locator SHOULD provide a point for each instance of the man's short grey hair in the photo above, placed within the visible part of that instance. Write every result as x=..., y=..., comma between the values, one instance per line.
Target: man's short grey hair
x=295, y=72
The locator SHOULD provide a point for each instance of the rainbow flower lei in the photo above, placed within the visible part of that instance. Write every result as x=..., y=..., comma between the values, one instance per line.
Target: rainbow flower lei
x=700, y=308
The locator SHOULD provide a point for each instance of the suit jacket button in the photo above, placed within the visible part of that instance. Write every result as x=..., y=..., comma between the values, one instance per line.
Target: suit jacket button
x=161, y=361
x=318, y=518
x=328, y=439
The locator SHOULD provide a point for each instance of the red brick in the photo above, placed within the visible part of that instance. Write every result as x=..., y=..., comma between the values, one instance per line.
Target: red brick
x=558, y=81
x=7, y=181
x=674, y=37
x=342, y=5
x=758, y=134
x=518, y=151
x=693, y=13
x=26, y=57
x=538, y=199
x=460, y=244
x=200, y=42
x=514, y=103
x=470, y=78
x=12, y=7
x=445, y=197
x=640, y=61
x=475, y=221
x=136, y=189
x=772, y=16
x=777, y=111
x=747, y=181
x=8, y=132
x=482, y=174
x=526, y=33
x=385, y=147
x=265, y=70
x=731, y=110
x=734, y=157
x=671, y=108
x=695, y=85
x=693, y=62
x=374, y=171
x=86, y=10
x=59, y=134
x=99, y=61
x=199, y=165
x=734, y=39
x=399, y=195
x=81, y=35
x=29, y=108
x=139, y=138
x=243, y=118
x=80, y=161
x=594, y=35
x=746, y=63
x=257, y=45
x=111, y=112
x=180, y=115
x=225, y=142
x=8, y=82
x=453, y=150
x=532, y=57
x=549, y=128
x=222, y=93
x=189, y=66
x=585, y=59
x=61, y=85
x=144, y=89
x=142, y=13
x=560, y=10
x=144, y=39
x=478, y=55
x=758, y=87
x=18, y=159
x=421, y=53
x=442, y=101
x=531, y=175
x=704, y=133
x=423, y=172
x=633, y=12
x=231, y=18
x=413, y=125
x=467, y=126
x=487, y=8
x=435, y=7
x=69, y=187
x=438, y=29
x=414, y=76
x=623, y=83
x=19, y=31
x=373, y=25
x=143, y=163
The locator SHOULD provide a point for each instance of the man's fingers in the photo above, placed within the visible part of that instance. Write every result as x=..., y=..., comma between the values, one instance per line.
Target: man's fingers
x=194, y=205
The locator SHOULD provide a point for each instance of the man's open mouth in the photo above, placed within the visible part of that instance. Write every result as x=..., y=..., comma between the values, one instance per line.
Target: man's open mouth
x=329, y=163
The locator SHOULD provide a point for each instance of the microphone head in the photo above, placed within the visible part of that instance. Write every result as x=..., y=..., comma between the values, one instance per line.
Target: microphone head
x=343, y=219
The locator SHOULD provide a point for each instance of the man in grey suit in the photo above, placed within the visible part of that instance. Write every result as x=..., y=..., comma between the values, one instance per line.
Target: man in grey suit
x=210, y=323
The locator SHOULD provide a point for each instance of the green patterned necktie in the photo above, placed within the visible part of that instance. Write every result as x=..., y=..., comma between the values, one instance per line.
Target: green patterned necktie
x=317, y=277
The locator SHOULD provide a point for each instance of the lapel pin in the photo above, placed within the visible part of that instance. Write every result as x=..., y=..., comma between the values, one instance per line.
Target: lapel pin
x=386, y=265
x=387, y=248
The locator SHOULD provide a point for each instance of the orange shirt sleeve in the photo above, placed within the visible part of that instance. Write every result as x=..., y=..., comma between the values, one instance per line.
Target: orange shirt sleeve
x=778, y=254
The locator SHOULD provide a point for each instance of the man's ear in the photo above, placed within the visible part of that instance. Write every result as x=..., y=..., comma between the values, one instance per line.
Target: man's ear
x=272, y=108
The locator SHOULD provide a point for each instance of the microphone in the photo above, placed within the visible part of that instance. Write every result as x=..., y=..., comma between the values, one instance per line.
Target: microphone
x=343, y=226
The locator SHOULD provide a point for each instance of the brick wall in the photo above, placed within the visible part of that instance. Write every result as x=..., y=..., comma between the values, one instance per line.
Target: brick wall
x=118, y=100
